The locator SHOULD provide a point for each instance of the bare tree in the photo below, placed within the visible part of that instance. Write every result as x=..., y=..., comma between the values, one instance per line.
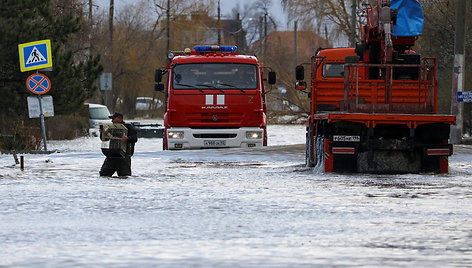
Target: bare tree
x=256, y=20
x=139, y=44
x=329, y=18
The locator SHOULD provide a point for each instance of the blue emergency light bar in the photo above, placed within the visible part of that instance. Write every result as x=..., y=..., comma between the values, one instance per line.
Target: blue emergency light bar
x=215, y=48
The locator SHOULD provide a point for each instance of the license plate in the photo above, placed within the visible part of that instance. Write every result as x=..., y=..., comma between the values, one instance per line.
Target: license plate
x=347, y=138
x=214, y=143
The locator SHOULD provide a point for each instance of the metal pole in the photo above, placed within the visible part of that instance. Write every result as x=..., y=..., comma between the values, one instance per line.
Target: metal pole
x=295, y=25
x=90, y=13
x=265, y=32
x=260, y=35
x=15, y=157
x=458, y=71
x=470, y=119
x=218, y=25
x=352, y=37
x=240, y=34
x=43, y=128
x=168, y=27
x=90, y=21
x=110, y=27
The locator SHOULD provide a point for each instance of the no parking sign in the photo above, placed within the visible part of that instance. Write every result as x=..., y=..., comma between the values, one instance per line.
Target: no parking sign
x=38, y=83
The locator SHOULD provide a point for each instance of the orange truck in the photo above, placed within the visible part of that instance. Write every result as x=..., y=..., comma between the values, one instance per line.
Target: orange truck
x=374, y=107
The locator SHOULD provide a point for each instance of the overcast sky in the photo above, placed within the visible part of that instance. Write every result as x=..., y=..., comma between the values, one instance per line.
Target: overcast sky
x=276, y=10
x=226, y=7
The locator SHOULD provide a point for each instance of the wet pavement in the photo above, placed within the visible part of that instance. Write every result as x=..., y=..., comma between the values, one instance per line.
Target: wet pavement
x=229, y=208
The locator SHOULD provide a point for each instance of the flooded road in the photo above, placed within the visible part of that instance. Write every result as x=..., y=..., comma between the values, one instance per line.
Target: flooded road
x=229, y=208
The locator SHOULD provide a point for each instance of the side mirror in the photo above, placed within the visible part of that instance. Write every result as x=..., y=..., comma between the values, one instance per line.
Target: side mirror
x=159, y=87
x=158, y=76
x=300, y=72
x=272, y=78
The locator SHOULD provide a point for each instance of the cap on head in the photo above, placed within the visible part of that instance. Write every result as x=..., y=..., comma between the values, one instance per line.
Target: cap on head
x=115, y=115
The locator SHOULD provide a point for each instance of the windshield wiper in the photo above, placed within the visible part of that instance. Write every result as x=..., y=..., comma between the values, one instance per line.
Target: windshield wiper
x=209, y=86
x=229, y=85
x=224, y=84
x=185, y=85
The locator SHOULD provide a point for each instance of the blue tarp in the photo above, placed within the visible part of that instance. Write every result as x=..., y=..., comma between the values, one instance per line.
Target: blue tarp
x=410, y=18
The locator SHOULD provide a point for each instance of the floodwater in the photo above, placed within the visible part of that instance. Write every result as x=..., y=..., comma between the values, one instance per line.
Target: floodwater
x=229, y=208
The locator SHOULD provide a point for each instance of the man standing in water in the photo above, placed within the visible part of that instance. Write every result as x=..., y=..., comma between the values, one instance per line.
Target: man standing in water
x=120, y=164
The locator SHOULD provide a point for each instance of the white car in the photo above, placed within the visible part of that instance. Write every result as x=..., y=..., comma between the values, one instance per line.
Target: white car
x=98, y=114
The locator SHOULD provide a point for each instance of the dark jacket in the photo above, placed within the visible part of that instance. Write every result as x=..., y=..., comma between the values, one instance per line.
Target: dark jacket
x=132, y=138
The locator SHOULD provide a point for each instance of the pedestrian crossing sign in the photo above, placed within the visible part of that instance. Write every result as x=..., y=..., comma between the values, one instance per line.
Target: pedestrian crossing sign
x=35, y=55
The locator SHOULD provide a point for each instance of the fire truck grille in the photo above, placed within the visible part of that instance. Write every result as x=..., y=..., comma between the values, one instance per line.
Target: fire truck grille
x=215, y=135
x=212, y=118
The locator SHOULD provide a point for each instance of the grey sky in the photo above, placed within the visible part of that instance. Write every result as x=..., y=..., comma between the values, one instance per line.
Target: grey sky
x=276, y=10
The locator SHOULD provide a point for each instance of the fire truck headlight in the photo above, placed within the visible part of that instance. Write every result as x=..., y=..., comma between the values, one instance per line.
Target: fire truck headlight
x=253, y=134
x=175, y=134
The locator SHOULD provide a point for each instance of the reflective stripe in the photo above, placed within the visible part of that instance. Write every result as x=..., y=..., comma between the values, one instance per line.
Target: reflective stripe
x=440, y=151
x=208, y=99
x=343, y=150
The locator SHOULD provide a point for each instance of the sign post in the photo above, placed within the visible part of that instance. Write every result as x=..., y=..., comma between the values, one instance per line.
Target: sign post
x=39, y=84
x=43, y=127
x=33, y=56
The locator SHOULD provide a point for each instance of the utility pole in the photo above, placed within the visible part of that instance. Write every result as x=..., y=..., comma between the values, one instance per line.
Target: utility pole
x=260, y=35
x=240, y=34
x=295, y=25
x=218, y=24
x=90, y=14
x=326, y=32
x=168, y=26
x=352, y=37
x=90, y=26
x=458, y=70
x=265, y=33
x=110, y=26
x=110, y=58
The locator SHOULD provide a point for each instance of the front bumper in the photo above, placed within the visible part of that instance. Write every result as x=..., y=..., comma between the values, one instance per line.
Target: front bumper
x=213, y=138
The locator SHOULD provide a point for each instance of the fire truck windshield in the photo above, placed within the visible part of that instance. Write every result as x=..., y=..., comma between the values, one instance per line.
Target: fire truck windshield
x=215, y=76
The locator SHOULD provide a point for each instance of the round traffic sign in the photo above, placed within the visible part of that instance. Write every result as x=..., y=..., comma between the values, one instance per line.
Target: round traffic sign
x=38, y=83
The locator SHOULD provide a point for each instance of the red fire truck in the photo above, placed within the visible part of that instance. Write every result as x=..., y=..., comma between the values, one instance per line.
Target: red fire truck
x=374, y=107
x=214, y=98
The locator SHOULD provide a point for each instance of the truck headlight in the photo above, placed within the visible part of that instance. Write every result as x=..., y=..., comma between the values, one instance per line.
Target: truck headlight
x=175, y=134
x=253, y=134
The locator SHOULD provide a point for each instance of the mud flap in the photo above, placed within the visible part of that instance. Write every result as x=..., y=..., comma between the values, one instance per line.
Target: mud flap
x=384, y=161
x=328, y=158
x=443, y=164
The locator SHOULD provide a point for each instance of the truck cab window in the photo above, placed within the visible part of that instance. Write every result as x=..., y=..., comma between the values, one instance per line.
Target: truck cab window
x=334, y=70
x=215, y=76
